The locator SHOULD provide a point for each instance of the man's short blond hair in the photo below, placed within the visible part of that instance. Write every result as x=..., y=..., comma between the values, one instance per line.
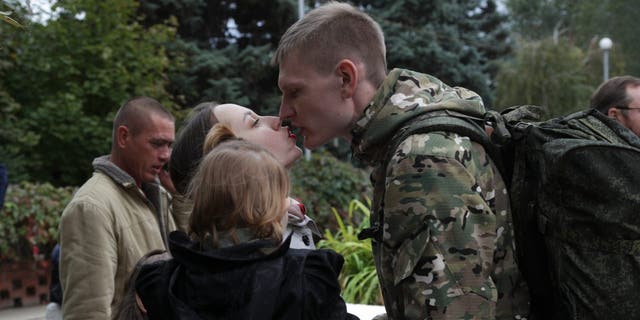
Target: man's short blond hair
x=332, y=32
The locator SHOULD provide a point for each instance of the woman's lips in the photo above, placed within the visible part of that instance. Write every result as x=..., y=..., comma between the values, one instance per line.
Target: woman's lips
x=291, y=134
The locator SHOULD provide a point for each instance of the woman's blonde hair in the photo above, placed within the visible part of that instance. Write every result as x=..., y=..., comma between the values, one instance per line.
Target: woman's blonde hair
x=237, y=184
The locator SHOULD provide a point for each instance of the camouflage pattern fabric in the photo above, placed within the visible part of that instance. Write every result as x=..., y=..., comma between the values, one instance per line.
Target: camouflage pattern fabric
x=446, y=250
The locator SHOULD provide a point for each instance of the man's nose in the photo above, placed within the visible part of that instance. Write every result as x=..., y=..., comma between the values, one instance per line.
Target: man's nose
x=165, y=153
x=286, y=111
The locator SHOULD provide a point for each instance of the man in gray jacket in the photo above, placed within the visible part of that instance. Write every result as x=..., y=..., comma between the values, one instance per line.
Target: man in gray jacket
x=119, y=214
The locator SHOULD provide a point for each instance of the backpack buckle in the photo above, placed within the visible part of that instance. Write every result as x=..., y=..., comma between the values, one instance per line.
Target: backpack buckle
x=501, y=134
x=373, y=232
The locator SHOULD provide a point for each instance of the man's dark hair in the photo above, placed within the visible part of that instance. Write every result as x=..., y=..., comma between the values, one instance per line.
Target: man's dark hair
x=135, y=112
x=613, y=93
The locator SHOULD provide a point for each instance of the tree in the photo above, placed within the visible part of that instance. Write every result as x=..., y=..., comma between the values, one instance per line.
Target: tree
x=536, y=20
x=582, y=23
x=224, y=49
x=545, y=73
x=457, y=42
x=70, y=75
x=13, y=134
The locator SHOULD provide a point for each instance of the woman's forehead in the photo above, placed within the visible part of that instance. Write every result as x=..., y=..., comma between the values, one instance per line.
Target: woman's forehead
x=228, y=113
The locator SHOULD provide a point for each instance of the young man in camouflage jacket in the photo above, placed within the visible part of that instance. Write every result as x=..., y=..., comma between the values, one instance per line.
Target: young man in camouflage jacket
x=445, y=247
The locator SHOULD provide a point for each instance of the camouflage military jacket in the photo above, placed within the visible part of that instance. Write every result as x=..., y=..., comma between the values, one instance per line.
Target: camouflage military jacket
x=446, y=250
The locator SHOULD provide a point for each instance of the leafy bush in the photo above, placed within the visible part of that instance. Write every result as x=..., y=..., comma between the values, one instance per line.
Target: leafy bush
x=358, y=277
x=29, y=219
x=324, y=183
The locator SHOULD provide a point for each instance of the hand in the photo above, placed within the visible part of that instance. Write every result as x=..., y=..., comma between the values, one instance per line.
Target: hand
x=296, y=208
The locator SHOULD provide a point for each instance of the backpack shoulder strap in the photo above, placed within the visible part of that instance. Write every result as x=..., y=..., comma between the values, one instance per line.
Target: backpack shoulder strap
x=445, y=120
x=448, y=121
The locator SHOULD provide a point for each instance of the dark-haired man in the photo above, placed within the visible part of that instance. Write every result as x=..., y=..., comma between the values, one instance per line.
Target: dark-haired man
x=619, y=98
x=119, y=214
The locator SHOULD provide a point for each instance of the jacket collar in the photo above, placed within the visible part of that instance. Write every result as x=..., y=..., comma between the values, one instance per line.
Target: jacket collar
x=103, y=164
x=404, y=95
x=191, y=253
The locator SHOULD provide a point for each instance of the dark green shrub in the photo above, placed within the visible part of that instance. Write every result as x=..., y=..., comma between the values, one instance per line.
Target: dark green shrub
x=30, y=219
x=325, y=182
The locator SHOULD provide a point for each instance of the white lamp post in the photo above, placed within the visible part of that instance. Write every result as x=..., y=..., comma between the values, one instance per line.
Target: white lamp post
x=605, y=44
x=300, y=9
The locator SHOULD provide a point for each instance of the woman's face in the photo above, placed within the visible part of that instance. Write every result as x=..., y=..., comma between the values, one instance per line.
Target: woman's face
x=264, y=131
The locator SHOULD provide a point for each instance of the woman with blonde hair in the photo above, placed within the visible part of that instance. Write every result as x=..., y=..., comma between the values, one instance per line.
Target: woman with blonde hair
x=235, y=263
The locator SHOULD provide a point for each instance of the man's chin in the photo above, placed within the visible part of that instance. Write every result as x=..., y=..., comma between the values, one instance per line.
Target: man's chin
x=311, y=143
x=310, y=146
x=149, y=178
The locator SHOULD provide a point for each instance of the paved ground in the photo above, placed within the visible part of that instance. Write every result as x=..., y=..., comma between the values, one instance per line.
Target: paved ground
x=24, y=313
x=364, y=312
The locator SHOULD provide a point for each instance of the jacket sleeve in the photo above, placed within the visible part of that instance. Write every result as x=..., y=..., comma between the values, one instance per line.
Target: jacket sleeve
x=88, y=261
x=438, y=231
x=181, y=211
x=322, y=298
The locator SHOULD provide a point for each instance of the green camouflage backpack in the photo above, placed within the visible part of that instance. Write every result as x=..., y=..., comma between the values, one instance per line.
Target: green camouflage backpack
x=574, y=184
x=575, y=197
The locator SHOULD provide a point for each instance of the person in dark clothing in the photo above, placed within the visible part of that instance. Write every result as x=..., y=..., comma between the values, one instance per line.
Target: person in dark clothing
x=4, y=183
x=235, y=264
x=53, y=311
x=55, y=289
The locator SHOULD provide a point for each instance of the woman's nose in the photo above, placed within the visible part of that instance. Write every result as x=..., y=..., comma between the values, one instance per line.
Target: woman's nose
x=274, y=122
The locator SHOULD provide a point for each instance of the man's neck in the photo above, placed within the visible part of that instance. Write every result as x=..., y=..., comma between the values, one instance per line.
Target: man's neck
x=117, y=160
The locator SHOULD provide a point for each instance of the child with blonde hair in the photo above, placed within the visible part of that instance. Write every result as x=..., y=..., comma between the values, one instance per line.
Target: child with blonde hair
x=235, y=263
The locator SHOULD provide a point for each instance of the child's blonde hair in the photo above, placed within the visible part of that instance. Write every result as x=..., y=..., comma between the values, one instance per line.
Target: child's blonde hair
x=237, y=184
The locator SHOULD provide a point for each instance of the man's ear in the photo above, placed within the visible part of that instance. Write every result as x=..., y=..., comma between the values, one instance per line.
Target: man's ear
x=614, y=113
x=348, y=74
x=122, y=134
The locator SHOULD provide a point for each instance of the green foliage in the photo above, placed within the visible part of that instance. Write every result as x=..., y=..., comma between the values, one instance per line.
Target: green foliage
x=30, y=219
x=583, y=23
x=358, y=277
x=224, y=48
x=14, y=138
x=66, y=78
x=6, y=17
x=548, y=74
x=535, y=20
x=324, y=183
x=454, y=41
x=617, y=20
